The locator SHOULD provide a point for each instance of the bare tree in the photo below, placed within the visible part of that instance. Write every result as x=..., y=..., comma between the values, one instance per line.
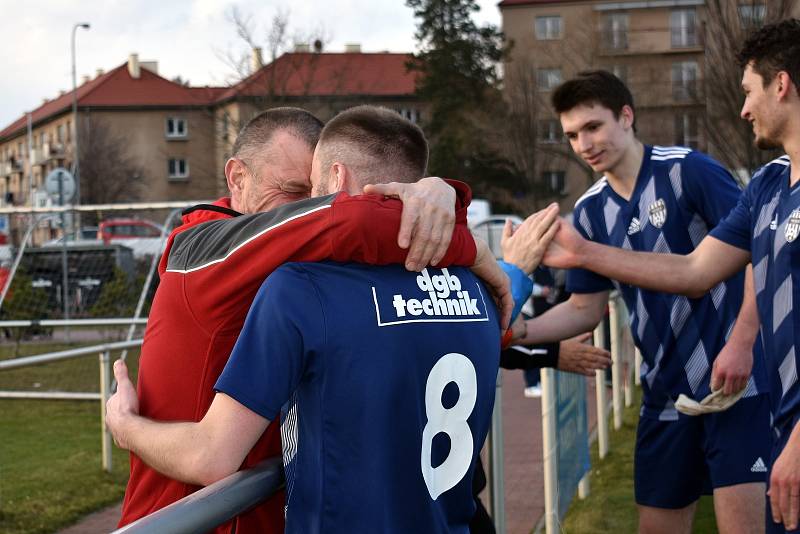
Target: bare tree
x=726, y=27
x=108, y=173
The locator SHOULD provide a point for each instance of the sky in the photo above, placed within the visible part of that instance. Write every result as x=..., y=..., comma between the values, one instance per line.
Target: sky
x=188, y=38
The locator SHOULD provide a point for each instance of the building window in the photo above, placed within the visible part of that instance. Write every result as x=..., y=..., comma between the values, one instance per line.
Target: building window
x=548, y=28
x=684, y=80
x=176, y=128
x=178, y=169
x=752, y=15
x=60, y=133
x=550, y=131
x=410, y=114
x=683, y=27
x=615, y=31
x=620, y=71
x=69, y=131
x=687, y=130
x=225, y=126
x=555, y=181
x=548, y=79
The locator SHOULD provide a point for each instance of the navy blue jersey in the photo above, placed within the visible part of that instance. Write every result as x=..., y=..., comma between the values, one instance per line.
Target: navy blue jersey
x=767, y=223
x=679, y=195
x=385, y=383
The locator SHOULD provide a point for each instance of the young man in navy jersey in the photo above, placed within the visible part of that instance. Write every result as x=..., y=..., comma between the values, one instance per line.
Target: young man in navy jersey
x=664, y=199
x=384, y=378
x=763, y=230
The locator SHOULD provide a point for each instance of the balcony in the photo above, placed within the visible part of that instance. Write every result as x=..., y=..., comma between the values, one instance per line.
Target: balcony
x=38, y=156
x=5, y=168
x=54, y=150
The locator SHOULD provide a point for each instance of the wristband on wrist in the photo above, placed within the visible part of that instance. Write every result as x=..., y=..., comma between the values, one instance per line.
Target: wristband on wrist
x=505, y=341
x=521, y=286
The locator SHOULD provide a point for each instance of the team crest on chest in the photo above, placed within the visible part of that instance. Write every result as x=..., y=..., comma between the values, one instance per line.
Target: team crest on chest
x=793, y=226
x=658, y=213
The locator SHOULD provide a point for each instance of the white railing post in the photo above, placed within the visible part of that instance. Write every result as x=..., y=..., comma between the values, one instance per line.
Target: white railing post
x=105, y=393
x=602, y=401
x=549, y=450
x=616, y=362
x=497, y=458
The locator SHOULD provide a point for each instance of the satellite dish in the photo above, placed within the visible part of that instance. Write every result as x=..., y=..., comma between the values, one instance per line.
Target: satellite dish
x=60, y=185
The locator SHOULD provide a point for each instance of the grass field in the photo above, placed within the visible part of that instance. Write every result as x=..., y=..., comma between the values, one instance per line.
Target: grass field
x=610, y=507
x=50, y=465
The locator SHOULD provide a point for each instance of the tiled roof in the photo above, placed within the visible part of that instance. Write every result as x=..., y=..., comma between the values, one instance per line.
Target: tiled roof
x=292, y=74
x=511, y=3
x=117, y=88
x=328, y=74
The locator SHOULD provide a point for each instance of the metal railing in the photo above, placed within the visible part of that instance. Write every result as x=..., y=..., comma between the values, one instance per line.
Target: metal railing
x=106, y=376
x=622, y=383
x=215, y=504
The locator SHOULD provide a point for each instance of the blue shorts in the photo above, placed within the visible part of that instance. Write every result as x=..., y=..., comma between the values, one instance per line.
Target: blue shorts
x=677, y=461
x=777, y=447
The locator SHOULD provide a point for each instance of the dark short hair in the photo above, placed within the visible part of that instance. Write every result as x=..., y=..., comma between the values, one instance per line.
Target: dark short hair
x=382, y=135
x=592, y=87
x=773, y=48
x=259, y=130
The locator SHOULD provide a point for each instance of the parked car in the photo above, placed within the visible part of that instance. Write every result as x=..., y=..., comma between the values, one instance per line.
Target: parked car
x=85, y=236
x=140, y=235
x=116, y=229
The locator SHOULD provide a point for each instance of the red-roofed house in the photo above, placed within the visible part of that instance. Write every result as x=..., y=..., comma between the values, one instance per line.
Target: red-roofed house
x=167, y=129
x=182, y=135
x=324, y=83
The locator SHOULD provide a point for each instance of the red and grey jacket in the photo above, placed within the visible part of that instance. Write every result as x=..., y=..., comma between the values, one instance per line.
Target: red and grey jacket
x=210, y=272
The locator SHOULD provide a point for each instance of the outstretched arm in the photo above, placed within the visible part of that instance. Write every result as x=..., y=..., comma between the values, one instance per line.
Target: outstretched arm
x=197, y=453
x=693, y=275
x=579, y=314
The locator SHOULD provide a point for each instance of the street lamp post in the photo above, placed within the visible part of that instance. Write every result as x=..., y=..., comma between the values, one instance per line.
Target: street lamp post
x=76, y=151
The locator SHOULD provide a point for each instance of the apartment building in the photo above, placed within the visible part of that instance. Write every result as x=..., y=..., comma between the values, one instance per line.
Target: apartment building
x=655, y=47
x=181, y=136
x=165, y=127
x=324, y=83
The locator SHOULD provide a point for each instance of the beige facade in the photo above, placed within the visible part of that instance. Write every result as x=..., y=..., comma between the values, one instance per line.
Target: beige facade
x=657, y=51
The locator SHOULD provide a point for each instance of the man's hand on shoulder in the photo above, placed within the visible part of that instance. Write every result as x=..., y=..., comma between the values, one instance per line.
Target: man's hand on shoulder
x=121, y=405
x=428, y=219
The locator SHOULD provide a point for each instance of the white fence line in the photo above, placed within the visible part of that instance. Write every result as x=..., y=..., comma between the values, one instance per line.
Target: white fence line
x=621, y=389
x=106, y=375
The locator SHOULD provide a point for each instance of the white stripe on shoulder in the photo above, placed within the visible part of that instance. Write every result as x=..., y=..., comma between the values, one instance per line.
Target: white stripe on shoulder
x=594, y=190
x=671, y=149
x=783, y=160
x=243, y=243
x=655, y=157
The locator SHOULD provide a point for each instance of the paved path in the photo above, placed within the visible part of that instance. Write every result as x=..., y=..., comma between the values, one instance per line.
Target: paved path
x=522, y=434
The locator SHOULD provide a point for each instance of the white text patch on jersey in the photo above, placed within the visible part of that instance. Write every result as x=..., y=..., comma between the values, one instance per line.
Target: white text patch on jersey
x=435, y=297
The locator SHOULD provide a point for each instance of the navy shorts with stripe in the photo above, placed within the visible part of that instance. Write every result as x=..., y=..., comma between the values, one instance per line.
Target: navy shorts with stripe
x=677, y=461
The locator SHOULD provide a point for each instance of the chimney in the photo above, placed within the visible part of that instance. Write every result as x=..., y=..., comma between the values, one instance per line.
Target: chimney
x=256, y=61
x=352, y=48
x=61, y=92
x=302, y=47
x=152, y=66
x=99, y=72
x=133, y=66
x=85, y=79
